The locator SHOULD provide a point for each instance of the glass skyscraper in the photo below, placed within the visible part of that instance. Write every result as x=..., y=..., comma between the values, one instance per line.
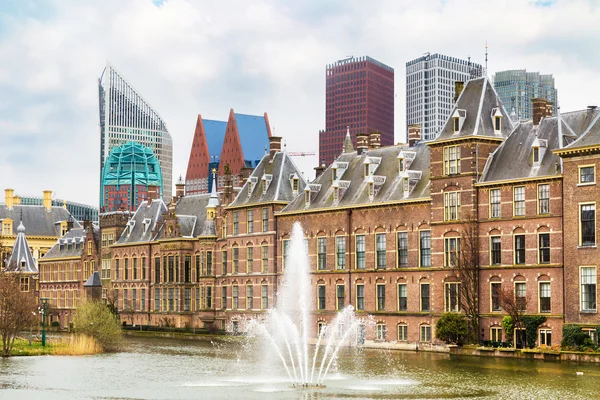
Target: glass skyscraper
x=517, y=87
x=125, y=116
x=430, y=90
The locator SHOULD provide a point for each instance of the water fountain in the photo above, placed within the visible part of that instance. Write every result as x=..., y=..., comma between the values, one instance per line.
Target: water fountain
x=288, y=327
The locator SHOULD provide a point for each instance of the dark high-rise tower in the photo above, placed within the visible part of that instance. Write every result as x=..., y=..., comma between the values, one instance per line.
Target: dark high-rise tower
x=360, y=95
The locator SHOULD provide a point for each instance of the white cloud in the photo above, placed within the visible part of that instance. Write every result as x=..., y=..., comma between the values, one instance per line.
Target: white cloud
x=188, y=58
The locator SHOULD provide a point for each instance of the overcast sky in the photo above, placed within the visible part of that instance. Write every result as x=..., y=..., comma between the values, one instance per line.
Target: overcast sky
x=205, y=57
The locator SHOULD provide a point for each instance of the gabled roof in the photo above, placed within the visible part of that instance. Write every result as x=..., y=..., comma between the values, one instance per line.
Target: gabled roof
x=38, y=220
x=353, y=183
x=94, y=280
x=191, y=214
x=479, y=100
x=142, y=226
x=254, y=136
x=71, y=244
x=215, y=134
x=587, y=124
x=278, y=172
x=21, y=259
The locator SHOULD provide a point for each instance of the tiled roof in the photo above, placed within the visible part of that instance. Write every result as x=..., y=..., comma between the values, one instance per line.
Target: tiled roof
x=142, y=226
x=277, y=174
x=21, y=259
x=479, y=100
x=191, y=214
x=254, y=137
x=37, y=220
x=215, y=135
x=70, y=245
x=587, y=125
x=386, y=177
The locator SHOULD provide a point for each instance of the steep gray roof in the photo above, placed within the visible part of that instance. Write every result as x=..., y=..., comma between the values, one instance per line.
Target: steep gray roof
x=478, y=100
x=354, y=185
x=191, y=214
x=513, y=159
x=279, y=173
x=142, y=226
x=70, y=245
x=37, y=219
x=94, y=280
x=21, y=259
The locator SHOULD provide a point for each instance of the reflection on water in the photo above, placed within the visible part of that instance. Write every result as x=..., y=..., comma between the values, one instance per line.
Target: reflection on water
x=169, y=369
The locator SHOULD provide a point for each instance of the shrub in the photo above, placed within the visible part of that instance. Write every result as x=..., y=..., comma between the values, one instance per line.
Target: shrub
x=96, y=320
x=452, y=328
x=509, y=327
x=575, y=339
x=532, y=323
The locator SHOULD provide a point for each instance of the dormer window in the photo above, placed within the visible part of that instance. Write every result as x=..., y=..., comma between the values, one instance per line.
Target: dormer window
x=367, y=169
x=7, y=227
x=307, y=197
x=333, y=173
x=497, y=123
x=456, y=125
x=264, y=186
x=250, y=187
x=295, y=184
x=371, y=187
x=401, y=164
x=458, y=118
x=405, y=185
x=536, y=154
x=336, y=194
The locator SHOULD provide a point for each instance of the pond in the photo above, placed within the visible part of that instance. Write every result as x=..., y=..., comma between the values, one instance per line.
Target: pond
x=174, y=369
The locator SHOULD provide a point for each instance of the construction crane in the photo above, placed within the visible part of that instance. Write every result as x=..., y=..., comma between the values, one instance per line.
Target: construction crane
x=301, y=153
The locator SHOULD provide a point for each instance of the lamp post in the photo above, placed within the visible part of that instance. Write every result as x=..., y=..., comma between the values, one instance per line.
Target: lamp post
x=44, y=301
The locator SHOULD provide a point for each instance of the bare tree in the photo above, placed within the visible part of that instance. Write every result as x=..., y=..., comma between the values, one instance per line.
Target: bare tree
x=466, y=268
x=515, y=307
x=17, y=310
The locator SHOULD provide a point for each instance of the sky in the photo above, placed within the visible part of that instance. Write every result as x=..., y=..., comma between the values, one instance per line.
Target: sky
x=204, y=57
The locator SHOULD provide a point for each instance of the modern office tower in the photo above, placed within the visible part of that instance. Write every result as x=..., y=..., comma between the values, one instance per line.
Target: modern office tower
x=359, y=96
x=131, y=174
x=430, y=90
x=125, y=116
x=517, y=87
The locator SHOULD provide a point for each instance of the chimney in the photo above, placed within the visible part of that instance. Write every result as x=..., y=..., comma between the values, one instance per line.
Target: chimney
x=362, y=140
x=245, y=174
x=458, y=88
x=152, y=194
x=319, y=170
x=48, y=200
x=274, y=145
x=374, y=140
x=591, y=109
x=70, y=221
x=9, y=198
x=180, y=188
x=87, y=225
x=16, y=200
x=541, y=108
x=414, y=134
x=228, y=186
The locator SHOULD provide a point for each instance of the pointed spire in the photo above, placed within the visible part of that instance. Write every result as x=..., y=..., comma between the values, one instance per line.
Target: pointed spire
x=213, y=202
x=348, y=147
x=21, y=259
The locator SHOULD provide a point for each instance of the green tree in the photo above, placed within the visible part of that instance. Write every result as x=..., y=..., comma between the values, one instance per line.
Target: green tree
x=95, y=319
x=452, y=328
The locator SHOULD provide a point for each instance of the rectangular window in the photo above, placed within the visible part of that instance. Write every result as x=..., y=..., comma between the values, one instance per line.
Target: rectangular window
x=249, y=260
x=209, y=292
x=587, y=174
x=187, y=300
x=544, y=199
x=340, y=297
x=496, y=250
x=402, y=238
x=250, y=222
x=135, y=269
x=588, y=288
x=451, y=251
x=587, y=224
x=187, y=269
x=381, y=248
x=402, y=297
x=235, y=261
x=197, y=267
x=451, y=206
x=164, y=300
x=380, y=297
x=321, y=253
x=265, y=219
x=546, y=337
x=381, y=332
x=126, y=267
x=519, y=249
x=495, y=296
x=495, y=203
x=425, y=249
x=519, y=201
x=360, y=252
x=223, y=297
x=496, y=334
x=340, y=251
x=425, y=297
x=156, y=299
x=234, y=297
x=285, y=251
x=209, y=262
x=521, y=296
x=249, y=297
x=452, y=160
x=402, y=332
x=425, y=334
x=265, y=258
x=171, y=267
x=360, y=297
x=236, y=222
x=198, y=306
x=224, y=262
x=452, y=297
x=544, y=249
x=171, y=300
x=264, y=297
x=320, y=297
x=544, y=297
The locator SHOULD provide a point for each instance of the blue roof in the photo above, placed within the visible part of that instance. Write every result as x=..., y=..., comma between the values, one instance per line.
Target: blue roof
x=215, y=136
x=254, y=136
